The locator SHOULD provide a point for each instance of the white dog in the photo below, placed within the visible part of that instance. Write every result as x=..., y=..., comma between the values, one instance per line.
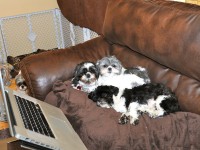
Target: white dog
x=112, y=73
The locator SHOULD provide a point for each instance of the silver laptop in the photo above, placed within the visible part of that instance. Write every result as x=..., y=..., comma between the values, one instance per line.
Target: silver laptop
x=38, y=124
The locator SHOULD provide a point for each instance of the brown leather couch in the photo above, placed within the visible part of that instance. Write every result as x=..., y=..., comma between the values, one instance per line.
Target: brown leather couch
x=162, y=36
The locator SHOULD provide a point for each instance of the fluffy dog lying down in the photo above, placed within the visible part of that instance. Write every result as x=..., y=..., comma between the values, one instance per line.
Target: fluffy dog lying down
x=111, y=72
x=154, y=99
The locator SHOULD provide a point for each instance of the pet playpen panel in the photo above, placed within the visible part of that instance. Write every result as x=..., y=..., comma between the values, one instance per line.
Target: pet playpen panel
x=46, y=33
x=15, y=31
x=65, y=31
x=39, y=30
x=93, y=34
x=78, y=31
x=2, y=49
x=73, y=35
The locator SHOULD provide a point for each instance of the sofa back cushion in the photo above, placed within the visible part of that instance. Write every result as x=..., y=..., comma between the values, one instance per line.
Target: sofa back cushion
x=167, y=32
x=85, y=13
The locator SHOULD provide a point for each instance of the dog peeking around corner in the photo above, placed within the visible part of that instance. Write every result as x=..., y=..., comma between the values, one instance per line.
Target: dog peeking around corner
x=20, y=82
x=156, y=100
x=85, y=77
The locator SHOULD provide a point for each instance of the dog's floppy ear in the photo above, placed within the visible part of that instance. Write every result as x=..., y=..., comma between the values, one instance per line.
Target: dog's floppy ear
x=98, y=67
x=77, y=68
x=115, y=90
x=93, y=96
x=113, y=57
x=97, y=72
x=98, y=63
x=76, y=78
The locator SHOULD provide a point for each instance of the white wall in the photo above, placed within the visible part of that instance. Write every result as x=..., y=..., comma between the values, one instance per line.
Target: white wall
x=15, y=7
x=180, y=0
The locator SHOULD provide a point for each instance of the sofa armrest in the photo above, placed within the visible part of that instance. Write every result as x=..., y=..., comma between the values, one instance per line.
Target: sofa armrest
x=42, y=70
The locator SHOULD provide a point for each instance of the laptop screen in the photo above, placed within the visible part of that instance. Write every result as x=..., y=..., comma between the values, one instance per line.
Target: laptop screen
x=4, y=94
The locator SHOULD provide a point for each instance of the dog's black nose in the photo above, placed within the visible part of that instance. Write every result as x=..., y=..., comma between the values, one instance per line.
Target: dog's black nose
x=88, y=75
x=109, y=69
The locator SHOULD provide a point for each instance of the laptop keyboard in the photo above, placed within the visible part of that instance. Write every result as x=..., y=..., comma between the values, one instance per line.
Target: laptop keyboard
x=33, y=117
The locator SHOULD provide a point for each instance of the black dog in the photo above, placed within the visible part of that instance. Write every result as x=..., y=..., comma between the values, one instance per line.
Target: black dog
x=103, y=95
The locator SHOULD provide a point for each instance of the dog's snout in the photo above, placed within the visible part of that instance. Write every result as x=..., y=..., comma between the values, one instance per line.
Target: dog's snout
x=109, y=69
x=88, y=75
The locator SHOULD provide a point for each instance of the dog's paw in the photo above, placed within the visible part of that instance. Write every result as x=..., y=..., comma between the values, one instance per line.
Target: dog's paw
x=134, y=121
x=155, y=114
x=141, y=112
x=124, y=119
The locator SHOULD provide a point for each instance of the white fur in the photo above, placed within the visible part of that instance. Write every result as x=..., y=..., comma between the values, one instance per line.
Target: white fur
x=119, y=104
x=121, y=81
x=133, y=112
x=152, y=108
x=88, y=65
x=87, y=87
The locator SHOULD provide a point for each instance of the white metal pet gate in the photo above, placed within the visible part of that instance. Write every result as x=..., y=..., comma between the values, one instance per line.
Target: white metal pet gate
x=39, y=30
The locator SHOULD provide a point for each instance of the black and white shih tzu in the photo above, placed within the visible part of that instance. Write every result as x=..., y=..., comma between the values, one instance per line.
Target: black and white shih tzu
x=20, y=82
x=130, y=92
x=156, y=100
x=113, y=73
x=85, y=77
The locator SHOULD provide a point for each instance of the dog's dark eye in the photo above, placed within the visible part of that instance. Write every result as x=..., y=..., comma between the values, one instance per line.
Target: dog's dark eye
x=114, y=66
x=92, y=70
x=84, y=70
x=105, y=66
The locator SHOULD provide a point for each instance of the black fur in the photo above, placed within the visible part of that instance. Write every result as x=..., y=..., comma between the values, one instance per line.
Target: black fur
x=170, y=105
x=144, y=92
x=104, y=94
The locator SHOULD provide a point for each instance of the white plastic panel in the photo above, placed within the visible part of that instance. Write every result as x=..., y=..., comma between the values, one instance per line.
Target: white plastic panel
x=39, y=30
x=15, y=31
x=44, y=26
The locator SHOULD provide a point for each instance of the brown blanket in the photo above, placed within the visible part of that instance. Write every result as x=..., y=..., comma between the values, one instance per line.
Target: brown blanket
x=99, y=129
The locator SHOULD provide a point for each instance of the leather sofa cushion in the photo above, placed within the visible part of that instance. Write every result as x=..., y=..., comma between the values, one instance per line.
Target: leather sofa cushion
x=186, y=89
x=84, y=13
x=168, y=34
x=42, y=70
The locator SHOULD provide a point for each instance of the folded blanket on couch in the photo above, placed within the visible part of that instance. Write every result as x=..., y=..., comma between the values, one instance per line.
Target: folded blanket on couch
x=99, y=129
